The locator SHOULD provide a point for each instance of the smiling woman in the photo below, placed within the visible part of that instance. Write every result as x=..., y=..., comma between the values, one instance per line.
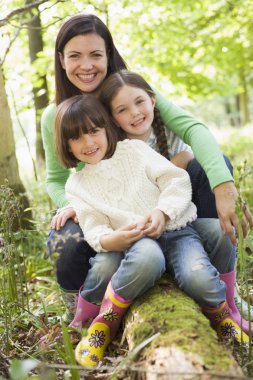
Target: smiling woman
x=85, y=61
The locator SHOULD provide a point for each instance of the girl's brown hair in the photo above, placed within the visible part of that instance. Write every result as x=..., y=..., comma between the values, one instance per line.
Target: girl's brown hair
x=110, y=89
x=80, y=25
x=79, y=115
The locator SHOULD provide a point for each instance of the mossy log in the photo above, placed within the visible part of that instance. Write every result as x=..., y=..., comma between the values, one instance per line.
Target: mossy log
x=186, y=343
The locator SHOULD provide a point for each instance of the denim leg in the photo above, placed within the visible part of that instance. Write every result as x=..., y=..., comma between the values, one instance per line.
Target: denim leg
x=221, y=252
x=103, y=266
x=189, y=263
x=72, y=263
x=202, y=195
x=142, y=266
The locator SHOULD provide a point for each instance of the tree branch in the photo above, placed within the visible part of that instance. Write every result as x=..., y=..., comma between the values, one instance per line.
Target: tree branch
x=23, y=9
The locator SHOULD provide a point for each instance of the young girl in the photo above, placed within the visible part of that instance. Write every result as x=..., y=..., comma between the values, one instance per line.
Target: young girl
x=132, y=103
x=127, y=199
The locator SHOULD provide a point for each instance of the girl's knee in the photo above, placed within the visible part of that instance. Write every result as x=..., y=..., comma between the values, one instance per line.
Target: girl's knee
x=151, y=261
x=202, y=284
x=106, y=264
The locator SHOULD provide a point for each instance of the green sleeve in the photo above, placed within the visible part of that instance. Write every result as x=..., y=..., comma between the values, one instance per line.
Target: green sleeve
x=57, y=175
x=200, y=139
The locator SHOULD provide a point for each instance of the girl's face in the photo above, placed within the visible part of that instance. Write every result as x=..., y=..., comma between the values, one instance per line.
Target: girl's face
x=133, y=110
x=90, y=147
x=85, y=61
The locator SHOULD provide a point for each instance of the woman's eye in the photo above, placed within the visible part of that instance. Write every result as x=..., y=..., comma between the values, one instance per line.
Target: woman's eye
x=73, y=56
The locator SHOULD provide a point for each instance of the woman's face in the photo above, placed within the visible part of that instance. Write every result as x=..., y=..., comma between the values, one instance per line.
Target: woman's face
x=85, y=61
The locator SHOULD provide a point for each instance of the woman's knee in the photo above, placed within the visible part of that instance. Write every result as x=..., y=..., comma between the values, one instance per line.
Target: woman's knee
x=69, y=238
x=72, y=255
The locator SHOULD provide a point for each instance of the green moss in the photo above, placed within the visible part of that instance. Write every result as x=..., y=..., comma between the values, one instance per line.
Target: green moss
x=179, y=320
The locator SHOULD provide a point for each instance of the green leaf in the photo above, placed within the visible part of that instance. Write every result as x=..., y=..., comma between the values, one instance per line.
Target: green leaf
x=19, y=369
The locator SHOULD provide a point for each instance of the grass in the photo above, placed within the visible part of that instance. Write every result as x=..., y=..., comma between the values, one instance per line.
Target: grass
x=30, y=304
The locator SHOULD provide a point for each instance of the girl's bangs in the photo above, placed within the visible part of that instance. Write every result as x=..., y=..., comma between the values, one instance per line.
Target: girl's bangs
x=75, y=128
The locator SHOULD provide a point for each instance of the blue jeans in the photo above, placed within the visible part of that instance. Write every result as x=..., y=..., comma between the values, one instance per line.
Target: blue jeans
x=195, y=256
x=135, y=271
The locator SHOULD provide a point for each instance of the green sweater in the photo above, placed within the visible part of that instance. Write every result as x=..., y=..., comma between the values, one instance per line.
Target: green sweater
x=192, y=132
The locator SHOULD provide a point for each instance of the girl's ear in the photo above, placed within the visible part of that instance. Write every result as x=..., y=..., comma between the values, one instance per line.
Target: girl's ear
x=62, y=61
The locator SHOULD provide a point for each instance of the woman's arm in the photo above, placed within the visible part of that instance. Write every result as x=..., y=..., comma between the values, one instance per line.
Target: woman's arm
x=56, y=175
x=208, y=154
x=200, y=139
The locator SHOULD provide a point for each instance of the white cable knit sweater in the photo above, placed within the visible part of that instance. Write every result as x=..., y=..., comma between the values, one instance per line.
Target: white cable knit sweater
x=125, y=188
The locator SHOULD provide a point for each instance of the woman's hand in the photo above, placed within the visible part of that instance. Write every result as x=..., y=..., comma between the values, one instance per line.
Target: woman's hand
x=61, y=217
x=225, y=196
x=122, y=238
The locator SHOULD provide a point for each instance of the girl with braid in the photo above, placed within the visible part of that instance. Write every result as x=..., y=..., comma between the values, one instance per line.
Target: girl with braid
x=126, y=85
x=132, y=104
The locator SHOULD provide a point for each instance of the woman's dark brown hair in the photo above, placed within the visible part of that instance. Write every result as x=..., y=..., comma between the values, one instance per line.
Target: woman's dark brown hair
x=80, y=25
x=110, y=89
x=79, y=115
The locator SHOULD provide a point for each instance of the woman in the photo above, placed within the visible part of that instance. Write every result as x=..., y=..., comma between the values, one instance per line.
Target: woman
x=84, y=56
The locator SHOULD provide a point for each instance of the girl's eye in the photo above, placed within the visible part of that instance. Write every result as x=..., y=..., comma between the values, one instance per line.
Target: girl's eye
x=93, y=131
x=140, y=101
x=121, y=110
x=75, y=138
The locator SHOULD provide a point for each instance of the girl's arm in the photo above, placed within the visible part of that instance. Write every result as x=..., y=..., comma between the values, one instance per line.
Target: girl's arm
x=96, y=225
x=173, y=183
x=182, y=159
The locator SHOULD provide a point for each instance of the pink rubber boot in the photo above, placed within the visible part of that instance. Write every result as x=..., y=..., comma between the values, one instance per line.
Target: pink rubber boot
x=222, y=321
x=84, y=311
x=90, y=350
x=229, y=279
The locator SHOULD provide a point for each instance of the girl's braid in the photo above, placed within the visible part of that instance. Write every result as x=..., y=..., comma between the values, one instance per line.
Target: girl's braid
x=159, y=131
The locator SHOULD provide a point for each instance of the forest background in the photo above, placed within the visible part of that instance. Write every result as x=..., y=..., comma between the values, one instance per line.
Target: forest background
x=197, y=53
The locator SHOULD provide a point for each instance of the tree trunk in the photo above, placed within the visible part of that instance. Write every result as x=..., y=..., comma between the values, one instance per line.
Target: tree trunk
x=40, y=88
x=186, y=348
x=9, y=173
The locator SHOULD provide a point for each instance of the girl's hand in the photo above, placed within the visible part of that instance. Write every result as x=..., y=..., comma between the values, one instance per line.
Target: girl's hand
x=154, y=223
x=225, y=197
x=122, y=238
x=182, y=159
x=61, y=217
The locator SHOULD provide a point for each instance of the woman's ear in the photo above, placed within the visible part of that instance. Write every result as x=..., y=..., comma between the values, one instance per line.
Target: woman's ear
x=153, y=100
x=62, y=60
